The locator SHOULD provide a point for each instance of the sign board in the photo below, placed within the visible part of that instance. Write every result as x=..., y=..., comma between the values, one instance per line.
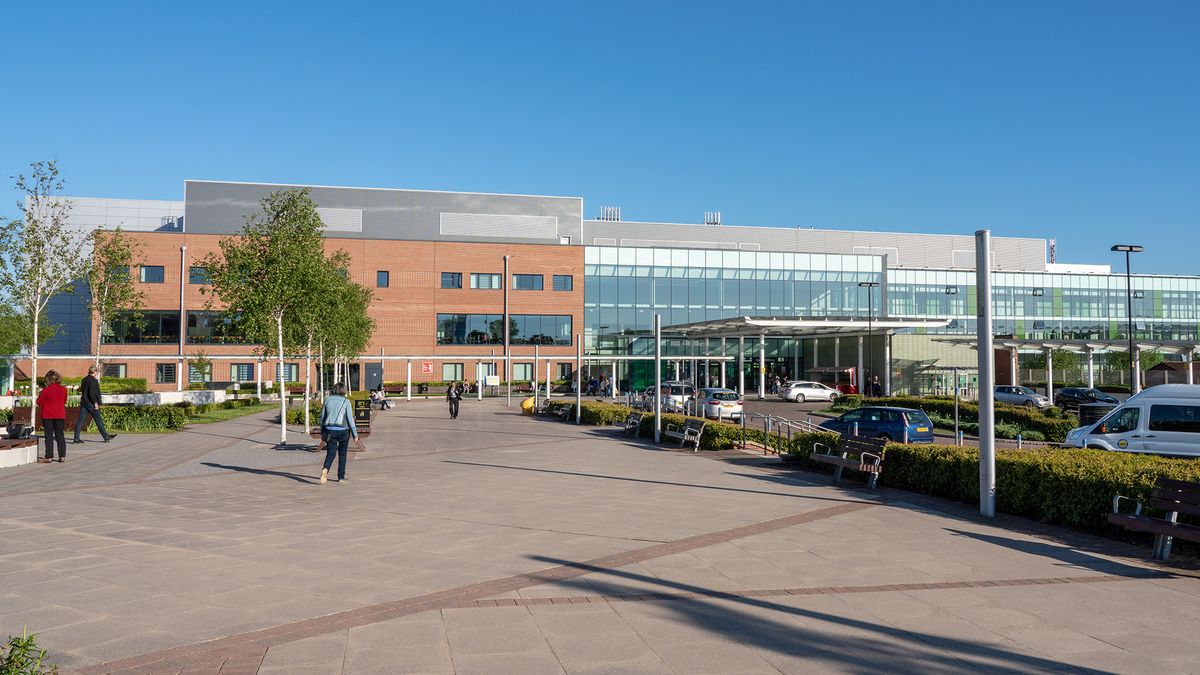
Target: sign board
x=491, y=380
x=427, y=367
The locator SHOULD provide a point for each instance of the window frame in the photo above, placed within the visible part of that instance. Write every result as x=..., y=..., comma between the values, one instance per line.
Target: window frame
x=570, y=283
x=537, y=282
x=456, y=367
x=205, y=281
x=159, y=373
x=233, y=372
x=456, y=280
x=121, y=370
x=385, y=276
x=142, y=274
x=495, y=281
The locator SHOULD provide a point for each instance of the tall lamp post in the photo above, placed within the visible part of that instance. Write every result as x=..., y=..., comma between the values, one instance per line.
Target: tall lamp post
x=870, y=286
x=1127, y=249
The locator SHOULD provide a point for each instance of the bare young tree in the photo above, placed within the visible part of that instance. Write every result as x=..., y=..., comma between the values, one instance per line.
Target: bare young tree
x=110, y=281
x=40, y=255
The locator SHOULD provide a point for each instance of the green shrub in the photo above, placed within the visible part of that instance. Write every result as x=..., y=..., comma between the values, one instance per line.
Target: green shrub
x=848, y=402
x=22, y=656
x=108, y=385
x=144, y=418
x=295, y=414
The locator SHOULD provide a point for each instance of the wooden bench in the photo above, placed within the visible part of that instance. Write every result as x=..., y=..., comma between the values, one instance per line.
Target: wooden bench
x=633, y=423
x=1172, y=497
x=857, y=453
x=566, y=412
x=690, y=432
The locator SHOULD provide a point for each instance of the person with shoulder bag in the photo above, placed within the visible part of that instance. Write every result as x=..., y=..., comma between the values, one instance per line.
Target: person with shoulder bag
x=337, y=428
x=89, y=404
x=53, y=402
x=453, y=397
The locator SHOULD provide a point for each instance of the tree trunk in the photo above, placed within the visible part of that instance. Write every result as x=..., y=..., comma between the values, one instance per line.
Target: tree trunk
x=33, y=392
x=99, y=331
x=321, y=369
x=280, y=378
x=307, y=383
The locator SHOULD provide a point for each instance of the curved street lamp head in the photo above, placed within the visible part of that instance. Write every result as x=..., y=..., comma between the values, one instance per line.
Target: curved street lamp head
x=1127, y=248
x=868, y=284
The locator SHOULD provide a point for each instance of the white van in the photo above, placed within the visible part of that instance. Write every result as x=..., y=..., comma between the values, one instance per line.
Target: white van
x=1162, y=420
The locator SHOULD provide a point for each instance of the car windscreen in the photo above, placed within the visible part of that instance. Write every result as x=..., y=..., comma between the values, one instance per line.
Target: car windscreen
x=723, y=396
x=677, y=390
x=919, y=418
x=1025, y=390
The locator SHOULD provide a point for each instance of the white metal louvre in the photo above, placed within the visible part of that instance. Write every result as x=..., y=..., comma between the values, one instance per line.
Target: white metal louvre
x=341, y=220
x=498, y=225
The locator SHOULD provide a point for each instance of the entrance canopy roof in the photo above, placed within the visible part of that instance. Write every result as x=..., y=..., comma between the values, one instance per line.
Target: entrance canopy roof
x=794, y=328
x=1164, y=346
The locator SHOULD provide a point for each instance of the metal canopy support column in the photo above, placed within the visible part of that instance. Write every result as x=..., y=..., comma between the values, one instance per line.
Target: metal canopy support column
x=1050, y=374
x=887, y=363
x=858, y=377
x=704, y=381
x=1013, y=364
x=987, y=366
x=762, y=366
x=741, y=361
x=837, y=352
x=1091, y=368
x=479, y=380
x=723, y=353
x=1135, y=369
x=407, y=380
x=1188, y=357
x=534, y=384
x=815, y=344
x=657, y=378
x=795, y=358
x=578, y=377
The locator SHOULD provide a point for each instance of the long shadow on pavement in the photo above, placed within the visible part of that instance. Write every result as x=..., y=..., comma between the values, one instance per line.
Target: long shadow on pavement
x=262, y=472
x=651, y=482
x=1064, y=554
x=890, y=649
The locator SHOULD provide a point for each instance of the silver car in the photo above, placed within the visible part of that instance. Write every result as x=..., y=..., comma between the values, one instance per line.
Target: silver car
x=1021, y=396
x=804, y=390
x=715, y=402
x=675, y=395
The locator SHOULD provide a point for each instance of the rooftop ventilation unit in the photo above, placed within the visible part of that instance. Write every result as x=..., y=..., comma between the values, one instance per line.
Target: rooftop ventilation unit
x=610, y=213
x=712, y=217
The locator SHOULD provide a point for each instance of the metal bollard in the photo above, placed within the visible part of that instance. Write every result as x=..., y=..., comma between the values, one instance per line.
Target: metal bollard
x=959, y=438
x=1018, y=441
x=854, y=428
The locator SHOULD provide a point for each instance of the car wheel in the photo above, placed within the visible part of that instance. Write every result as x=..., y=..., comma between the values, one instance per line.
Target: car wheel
x=799, y=398
x=833, y=397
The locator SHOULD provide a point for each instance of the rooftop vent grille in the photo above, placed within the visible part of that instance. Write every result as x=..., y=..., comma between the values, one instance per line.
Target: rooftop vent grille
x=610, y=213
x=712, y=217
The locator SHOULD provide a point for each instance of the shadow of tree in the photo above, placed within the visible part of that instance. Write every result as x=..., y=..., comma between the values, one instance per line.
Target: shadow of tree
x=820, y=639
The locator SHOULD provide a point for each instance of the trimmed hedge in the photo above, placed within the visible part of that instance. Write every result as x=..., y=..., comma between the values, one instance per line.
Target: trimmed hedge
x=108, y=385
x=143, y=418
x=1052, y=424
x=1062, y=486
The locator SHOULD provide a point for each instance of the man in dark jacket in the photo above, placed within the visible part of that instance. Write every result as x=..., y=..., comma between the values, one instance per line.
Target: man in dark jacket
x=89, y=404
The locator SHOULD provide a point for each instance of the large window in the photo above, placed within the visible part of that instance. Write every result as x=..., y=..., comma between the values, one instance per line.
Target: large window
x=152, y=274
x=522, y=372
x=564, y=282
x=198, y=376
x=114, y=370
x=527, y=282
x=152, y=327
x=382, y=279
x=452, y=372
x=524, y=329
x=452, y=280
x=164, y=373
x=485, y=281
x=241, y=372
x=212, y=328
x=291, y=372
x=198, y=275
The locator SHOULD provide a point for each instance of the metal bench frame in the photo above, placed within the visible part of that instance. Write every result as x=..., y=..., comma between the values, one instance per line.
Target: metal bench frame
x=1172, y=497
x=690, y=432
x=857, y=453
x=633, y=423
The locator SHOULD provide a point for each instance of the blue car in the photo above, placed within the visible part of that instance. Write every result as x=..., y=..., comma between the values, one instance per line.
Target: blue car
x=883, y=422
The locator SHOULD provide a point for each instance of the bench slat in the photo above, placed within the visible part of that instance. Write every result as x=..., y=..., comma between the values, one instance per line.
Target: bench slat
x=1177, y=496
x=848, y=463
x=1156, y=526
x=1168, y=505
x=1175, y=484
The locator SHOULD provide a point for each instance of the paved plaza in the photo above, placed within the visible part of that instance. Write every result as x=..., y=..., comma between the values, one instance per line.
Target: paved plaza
x=499, y=544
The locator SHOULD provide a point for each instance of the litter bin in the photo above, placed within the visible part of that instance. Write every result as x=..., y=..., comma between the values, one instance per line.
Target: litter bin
x=1090, y=413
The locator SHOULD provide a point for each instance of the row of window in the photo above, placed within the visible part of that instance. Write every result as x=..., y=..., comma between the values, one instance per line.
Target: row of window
x=164, y=373
x=162, y=327
x=487, y=281
x=156, y=274
x=524, y=329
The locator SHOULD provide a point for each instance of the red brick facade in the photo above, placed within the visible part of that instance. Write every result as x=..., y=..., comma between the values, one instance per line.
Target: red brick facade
x=405, y=312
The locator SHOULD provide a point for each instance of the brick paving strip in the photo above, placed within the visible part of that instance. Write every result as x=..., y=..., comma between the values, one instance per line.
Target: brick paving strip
x=244, y=653
x=811, y=590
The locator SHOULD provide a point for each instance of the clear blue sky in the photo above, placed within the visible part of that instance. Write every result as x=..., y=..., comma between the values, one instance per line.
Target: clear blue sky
x=1069, y=119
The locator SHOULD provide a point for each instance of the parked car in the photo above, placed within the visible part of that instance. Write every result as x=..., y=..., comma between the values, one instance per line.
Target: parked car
x=675, y=395
x=803, y=390
x=1161, y=420
x=884, y=422
x=1070, y=398
x=715, y=402
x=1021, y=396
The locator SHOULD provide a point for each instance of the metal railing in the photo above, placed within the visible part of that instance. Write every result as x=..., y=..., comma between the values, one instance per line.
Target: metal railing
x=774, y=424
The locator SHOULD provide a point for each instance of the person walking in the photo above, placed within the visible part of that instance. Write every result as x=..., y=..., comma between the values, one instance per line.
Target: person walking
x=337, y=427
x=53, y=402
x=89, y=404
x=453, y=397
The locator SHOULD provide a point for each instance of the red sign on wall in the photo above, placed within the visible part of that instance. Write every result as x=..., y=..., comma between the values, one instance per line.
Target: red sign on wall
x=427, y=366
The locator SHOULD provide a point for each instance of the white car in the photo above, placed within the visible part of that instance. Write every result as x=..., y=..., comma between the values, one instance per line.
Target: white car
x=675, y=395
x=715, y=402
x=803, y=390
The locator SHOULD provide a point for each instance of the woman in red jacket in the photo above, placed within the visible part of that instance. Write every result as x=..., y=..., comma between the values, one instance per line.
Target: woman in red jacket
x=53, y=402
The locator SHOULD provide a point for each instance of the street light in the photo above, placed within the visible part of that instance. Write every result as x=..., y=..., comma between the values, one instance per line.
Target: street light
x=870, y=286
x=1127, y=249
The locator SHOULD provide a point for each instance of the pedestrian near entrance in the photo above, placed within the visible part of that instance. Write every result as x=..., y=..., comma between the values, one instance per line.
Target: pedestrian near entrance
x=453, y=397
x=337, y=428
x=53, y=402
x=89, y=405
